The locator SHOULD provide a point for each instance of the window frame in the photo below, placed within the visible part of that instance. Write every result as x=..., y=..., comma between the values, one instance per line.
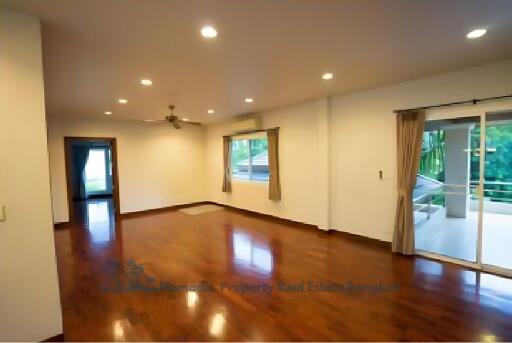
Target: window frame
x=248, y=138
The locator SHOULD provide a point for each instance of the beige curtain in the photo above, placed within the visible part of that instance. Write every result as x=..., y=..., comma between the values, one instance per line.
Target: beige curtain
x=274, y=185
x=410, y=126
x=226, y=183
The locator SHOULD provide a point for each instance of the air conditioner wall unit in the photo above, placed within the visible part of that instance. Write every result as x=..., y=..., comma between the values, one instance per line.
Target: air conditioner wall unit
x=247, y=124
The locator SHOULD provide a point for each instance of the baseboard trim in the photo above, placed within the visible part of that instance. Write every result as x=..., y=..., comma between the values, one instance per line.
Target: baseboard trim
x=56, y=338
x=61, y=225
x=362, y=239
x=346, y=235
x=141, y=213
x=134, y=214
x=267, y=216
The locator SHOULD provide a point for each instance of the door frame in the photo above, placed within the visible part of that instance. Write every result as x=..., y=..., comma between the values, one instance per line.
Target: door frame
x=115, y=175
x=481, y=111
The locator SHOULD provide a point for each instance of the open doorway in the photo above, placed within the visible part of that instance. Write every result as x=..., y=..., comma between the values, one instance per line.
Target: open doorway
x=92, y=177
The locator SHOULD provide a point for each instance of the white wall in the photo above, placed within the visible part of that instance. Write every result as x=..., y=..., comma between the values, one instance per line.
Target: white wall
x=362, y=142
x=158, y=165
x=299, y=167
x=331, y=151
x=343, y=190
x=29, y=289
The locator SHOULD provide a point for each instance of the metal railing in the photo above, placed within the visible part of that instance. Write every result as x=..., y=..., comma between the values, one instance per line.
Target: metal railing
x=425, y=201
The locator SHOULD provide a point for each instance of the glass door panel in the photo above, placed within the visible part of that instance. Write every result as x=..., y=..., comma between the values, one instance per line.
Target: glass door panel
x=497, y=201
x=446, y=197
x=96, y=171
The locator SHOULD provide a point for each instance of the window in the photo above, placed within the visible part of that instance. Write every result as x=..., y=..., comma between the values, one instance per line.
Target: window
x=249, y=159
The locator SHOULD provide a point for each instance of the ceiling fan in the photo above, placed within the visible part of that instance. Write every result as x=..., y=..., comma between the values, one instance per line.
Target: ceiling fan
x=175, y=121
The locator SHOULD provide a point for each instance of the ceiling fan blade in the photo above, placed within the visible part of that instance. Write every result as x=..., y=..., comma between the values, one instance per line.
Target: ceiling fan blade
x=155, y=121
x=146, y=120
x=190, y=122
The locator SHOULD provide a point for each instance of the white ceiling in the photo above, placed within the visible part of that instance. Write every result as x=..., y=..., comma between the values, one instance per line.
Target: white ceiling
x=96, y=51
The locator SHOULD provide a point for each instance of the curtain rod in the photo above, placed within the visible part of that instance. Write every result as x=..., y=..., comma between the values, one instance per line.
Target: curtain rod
x=465, y=102
x=251, y=131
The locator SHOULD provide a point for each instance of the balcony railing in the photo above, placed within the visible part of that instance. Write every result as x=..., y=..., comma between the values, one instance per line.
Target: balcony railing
x=433, y=198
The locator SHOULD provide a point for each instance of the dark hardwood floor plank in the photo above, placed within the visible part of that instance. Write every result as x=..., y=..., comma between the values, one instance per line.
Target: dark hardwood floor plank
x=435, y=301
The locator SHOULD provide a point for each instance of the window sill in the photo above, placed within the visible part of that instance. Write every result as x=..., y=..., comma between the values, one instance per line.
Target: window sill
x=237, y=180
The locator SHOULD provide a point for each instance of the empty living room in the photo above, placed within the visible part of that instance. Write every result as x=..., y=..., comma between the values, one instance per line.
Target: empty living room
x=255, y=170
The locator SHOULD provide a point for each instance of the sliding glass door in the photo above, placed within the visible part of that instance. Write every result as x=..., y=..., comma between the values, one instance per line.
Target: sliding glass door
x=446, y=186
x=497, y=193
x=463, y=194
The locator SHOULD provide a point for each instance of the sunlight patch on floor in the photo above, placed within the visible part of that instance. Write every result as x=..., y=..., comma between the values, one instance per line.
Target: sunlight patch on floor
x=201, y=209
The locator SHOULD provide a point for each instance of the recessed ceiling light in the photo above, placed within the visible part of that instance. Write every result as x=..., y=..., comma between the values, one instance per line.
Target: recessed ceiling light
x=327, y=76
x=185, y=119
x=249, y=100
x=211, y=111
x=146, y=82
x=108, y=113
x=149, y=120
x=122, y=101
x=209, y=32
x=476, y=33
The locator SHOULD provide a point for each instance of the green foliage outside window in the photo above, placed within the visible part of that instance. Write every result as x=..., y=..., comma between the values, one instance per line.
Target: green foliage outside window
x=239, y=151
x=258, y=146
x=432, y=155
x=498, y=159
x=249, y=159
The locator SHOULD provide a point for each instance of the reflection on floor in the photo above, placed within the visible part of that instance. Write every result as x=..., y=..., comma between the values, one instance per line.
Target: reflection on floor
x=97, y=217
x=457, y=237
x=478, y=287
x=108, y=276
x=250, y=255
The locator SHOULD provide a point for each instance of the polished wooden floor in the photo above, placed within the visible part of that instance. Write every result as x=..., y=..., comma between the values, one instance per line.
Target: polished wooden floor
x=435, y=301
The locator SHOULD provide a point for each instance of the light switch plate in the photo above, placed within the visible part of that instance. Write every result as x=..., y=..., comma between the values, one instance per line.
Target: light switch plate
x=2, y=213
